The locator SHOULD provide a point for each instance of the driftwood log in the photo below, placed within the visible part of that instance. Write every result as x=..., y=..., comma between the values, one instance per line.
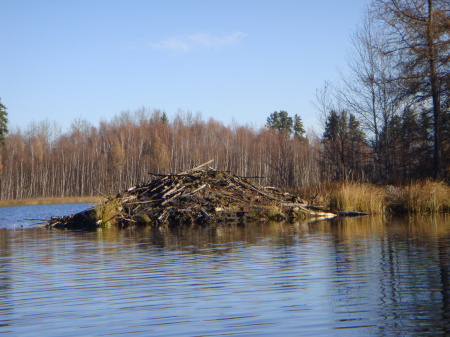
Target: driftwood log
x=196, y=196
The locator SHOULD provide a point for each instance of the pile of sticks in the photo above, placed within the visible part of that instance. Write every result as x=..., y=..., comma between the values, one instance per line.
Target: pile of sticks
x=195, y=196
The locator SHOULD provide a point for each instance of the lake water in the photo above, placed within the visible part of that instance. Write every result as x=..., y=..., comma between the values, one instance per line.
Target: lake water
x=348, y=277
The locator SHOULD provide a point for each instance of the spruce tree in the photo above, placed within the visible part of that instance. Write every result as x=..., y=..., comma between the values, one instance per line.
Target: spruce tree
x=298, y=129
x=3, y=122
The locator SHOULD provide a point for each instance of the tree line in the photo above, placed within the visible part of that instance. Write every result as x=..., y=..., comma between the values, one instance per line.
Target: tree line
x=87, y=160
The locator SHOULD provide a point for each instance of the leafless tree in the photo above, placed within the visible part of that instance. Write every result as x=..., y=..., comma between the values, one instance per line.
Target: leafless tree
x=418, y=34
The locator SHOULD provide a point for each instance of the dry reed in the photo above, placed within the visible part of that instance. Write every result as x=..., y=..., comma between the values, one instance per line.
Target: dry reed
x=423, y=197
x=418, y=197
x=49, y=201
x=106, y=212
x=358, y=197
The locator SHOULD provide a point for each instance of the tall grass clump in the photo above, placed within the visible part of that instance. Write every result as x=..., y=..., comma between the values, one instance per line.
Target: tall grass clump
x=275, y=213
x=357, y=197
x=106, y=212
x=424, y=197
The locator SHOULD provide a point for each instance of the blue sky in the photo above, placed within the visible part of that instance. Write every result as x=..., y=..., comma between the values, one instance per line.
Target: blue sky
x=228, y=59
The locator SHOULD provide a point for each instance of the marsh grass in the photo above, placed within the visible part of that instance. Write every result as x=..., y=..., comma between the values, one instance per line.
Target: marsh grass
x=419, y=197
x=106, y=212
x=275, y=213
x=422, y=197
x=50, y=201
x=358, y=197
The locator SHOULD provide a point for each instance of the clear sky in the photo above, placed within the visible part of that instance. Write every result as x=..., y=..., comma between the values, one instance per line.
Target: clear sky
x=231, y=60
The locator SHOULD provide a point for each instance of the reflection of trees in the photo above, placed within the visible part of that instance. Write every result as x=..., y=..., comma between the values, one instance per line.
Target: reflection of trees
x=395, y=274
x=5, y=281
x=391, y=275
x=443, y=253
x=217, y=239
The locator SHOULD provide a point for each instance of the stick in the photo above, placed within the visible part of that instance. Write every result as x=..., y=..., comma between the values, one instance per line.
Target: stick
x=144, y=202
x=169, y=175
x=197, y=167
x=173, y=196
x=198, y=189
x=96, y=190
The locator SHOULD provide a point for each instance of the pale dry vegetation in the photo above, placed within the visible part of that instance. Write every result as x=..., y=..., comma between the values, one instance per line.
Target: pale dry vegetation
x=105, y=213
x=50, y=201
x=426, y=196
x=359, y=197
x=421, y=197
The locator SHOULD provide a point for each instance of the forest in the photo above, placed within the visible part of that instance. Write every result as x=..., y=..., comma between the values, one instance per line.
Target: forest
x=88, y=160
x=386, y=122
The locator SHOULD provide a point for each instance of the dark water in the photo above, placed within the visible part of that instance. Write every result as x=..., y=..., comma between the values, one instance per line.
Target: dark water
x=350, y=277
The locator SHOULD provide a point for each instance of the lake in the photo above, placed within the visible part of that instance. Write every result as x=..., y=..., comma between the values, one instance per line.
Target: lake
x=364, y=276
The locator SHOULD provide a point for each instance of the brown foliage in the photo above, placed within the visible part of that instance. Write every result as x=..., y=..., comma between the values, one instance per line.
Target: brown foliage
x=87, y=159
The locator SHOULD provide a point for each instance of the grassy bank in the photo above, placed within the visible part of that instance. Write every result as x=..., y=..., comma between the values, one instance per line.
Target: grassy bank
x=417, y=198
x=50, y=201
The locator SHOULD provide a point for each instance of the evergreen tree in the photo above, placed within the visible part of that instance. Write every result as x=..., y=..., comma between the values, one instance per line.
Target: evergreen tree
x=164, y=118
x=3, y=122
x=282, y=122
x=334, y=126
x=342, y=143
x=298, y=129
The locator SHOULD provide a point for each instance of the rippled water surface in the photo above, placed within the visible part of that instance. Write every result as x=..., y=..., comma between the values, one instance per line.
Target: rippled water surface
x=349, y=277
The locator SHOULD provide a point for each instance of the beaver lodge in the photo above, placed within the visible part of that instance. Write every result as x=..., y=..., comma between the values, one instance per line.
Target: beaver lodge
x=196, y=196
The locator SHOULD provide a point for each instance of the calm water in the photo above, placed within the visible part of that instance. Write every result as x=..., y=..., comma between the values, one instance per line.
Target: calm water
x=351, y=277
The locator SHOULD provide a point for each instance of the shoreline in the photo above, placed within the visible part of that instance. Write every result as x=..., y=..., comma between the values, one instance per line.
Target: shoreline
x=50, y=201
x=419, y=197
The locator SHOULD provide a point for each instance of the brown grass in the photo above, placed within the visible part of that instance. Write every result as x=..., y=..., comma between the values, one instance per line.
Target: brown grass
x=50, y=201
x=275, y=213
x=422, y=197
x=427, y=196
x=106, y=212
x=357, y=197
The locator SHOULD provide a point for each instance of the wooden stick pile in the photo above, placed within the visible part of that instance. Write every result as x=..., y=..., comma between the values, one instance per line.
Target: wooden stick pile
x=195, y=196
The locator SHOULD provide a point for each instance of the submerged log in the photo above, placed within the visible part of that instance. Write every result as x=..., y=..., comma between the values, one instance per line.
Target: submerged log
x=351, y=213
x=195, y=196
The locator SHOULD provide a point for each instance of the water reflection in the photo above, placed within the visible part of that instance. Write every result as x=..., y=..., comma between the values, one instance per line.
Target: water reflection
x=5, y=282
x=354, y=276
x=399, y=264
